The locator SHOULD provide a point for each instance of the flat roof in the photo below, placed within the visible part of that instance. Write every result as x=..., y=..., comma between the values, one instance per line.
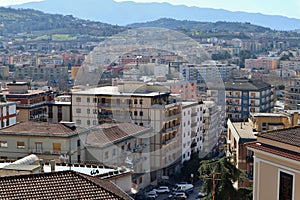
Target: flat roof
x=244, y=130
x=113, y=90
x=268, y=115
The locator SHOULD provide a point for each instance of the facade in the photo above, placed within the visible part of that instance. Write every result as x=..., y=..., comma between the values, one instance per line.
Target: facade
x=49, y=73
x=244, y=96
x=186, y=90
x=292, y=95
x=212, y=129
x=8, y=113
x=276, y=164
x=32, y=103
x=264, y=63
x=192, y=129
x=49, y=141
x=60, y=109
x=141, y=104
x=122, y=144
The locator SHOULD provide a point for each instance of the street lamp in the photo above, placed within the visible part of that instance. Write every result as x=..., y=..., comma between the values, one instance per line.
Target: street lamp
x=192, y=178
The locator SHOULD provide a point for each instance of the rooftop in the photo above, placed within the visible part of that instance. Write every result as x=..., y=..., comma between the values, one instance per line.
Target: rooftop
x=59, y=185
x=39, y=128
x=289, y=136
x=245, y=84
x=244, y=130
x=268, y=115
x=111, y=133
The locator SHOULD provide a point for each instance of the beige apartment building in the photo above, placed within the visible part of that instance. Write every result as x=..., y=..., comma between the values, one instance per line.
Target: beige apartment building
x=48, y=141
x=141, y=104
x=277, y=165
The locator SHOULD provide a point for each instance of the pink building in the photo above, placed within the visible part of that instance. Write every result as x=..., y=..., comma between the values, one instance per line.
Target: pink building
x=265, y=63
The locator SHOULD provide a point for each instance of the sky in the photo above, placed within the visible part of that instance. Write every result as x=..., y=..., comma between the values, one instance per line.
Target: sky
x=288, y=8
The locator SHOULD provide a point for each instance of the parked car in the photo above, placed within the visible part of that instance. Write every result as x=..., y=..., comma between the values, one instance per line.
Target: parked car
x=186, y=188
x=178, y=195
x=162, y=189
x=201, y=195
x=152, y=194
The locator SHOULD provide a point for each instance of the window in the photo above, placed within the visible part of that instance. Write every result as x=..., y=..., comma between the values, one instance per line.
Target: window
x=21, y=145
x=78, y=99
x=78, y=121
x=135, y=101
x=56, y=148
x=88, y=111
x=38, y=147
x=88, y=100
x=78, y=143
x=141, y=113
x=106, y=155
x=88, y=122
x=94, y=111
x=94, y=100
x=141, y=101
x=135, y=113
x=285, y=186
x=94, y=122
x=78, y=110
x=3, y=144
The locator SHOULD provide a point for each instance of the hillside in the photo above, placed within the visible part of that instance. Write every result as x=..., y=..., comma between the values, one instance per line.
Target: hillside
x=28, y=21
x=202, y=26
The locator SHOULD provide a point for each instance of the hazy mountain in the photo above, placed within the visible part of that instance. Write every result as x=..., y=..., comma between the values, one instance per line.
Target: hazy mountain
x=123, y=13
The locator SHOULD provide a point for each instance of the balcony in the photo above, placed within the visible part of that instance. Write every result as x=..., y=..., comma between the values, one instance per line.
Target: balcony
x=33, y=105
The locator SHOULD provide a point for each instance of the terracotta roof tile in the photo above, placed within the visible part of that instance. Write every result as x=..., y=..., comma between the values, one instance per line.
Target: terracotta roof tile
x=289, y=136
x=59, y=185
x=30, y=127
x=109, y=133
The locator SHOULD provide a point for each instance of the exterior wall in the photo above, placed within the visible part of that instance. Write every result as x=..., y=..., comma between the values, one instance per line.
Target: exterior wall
x=261, y=63
x=123, y=182
x=186, y=133
x=59, y=113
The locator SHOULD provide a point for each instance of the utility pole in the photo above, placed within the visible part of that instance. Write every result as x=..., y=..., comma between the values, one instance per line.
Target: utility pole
x=213, y=179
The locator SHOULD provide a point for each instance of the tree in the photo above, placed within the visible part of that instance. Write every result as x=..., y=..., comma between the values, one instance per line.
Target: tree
x=226, y=174
x=245, y=54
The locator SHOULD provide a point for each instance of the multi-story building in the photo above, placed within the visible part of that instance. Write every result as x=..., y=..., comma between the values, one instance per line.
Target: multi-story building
x=240, y=133
x=292, y=95
x=212, y=128
x=32, y=103
x=4, y=72
x=192, y=133
x=49, y=141
x=244, y=96
x=187, y=90
x=263, y=63
x=144, y=105
x=60, y=109
x=276, y=164
x=123, y=144
x=49, y=73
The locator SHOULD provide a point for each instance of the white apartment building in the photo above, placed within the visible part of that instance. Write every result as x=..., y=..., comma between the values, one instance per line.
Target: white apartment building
x=192, y=129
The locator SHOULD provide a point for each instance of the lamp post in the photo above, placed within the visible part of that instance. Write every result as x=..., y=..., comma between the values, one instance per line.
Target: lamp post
x=192, y=178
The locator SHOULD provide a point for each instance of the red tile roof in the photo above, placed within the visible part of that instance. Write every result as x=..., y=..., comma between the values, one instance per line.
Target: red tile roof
x=275, y=150
x=109, y=133
x=289, y=136
x=38, y=128
x=59, y=185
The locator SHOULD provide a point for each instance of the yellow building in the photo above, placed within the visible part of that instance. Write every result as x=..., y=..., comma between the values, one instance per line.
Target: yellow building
x=277, y=165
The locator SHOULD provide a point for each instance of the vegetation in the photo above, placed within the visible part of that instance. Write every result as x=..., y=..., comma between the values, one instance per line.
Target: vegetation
x=225, y=175
x=245, y=54
x=221, y=56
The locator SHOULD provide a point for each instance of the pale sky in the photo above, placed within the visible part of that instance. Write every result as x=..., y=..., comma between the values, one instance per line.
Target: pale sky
x=289, y=8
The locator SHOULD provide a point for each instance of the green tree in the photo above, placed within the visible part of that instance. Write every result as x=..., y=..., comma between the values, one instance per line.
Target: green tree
x=226, y=174
x=245, y=54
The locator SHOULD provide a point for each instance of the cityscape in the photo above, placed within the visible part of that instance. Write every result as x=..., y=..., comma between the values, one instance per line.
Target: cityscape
x=164, y=108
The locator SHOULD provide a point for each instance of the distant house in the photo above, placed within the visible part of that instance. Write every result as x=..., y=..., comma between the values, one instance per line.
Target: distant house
x=59, y=185
x=277, y=164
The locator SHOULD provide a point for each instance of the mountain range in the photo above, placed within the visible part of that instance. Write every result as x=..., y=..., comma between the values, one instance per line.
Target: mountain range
x=124, y=13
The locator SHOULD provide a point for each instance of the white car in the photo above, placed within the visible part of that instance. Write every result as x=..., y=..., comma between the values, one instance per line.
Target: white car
x=152, y=194
x=162, y=189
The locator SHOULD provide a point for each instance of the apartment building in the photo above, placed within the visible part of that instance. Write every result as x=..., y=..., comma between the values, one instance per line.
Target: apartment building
x=244, y=96
x=60, y=109
x=192, y=129
x=276, y=164
x=292, y=94
x=187, y=90
x=145, y=105
x=263, y=63
x=8, y=113
x=122, y=144
x=32, y=103
x=45, y=73
x=212, y=129
x=49, y=141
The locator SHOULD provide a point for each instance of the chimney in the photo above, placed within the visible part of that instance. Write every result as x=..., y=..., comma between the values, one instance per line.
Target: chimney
x=52, y=164
x=41, y=163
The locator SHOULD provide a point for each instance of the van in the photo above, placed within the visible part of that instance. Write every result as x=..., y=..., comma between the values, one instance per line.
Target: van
x=187, y=188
